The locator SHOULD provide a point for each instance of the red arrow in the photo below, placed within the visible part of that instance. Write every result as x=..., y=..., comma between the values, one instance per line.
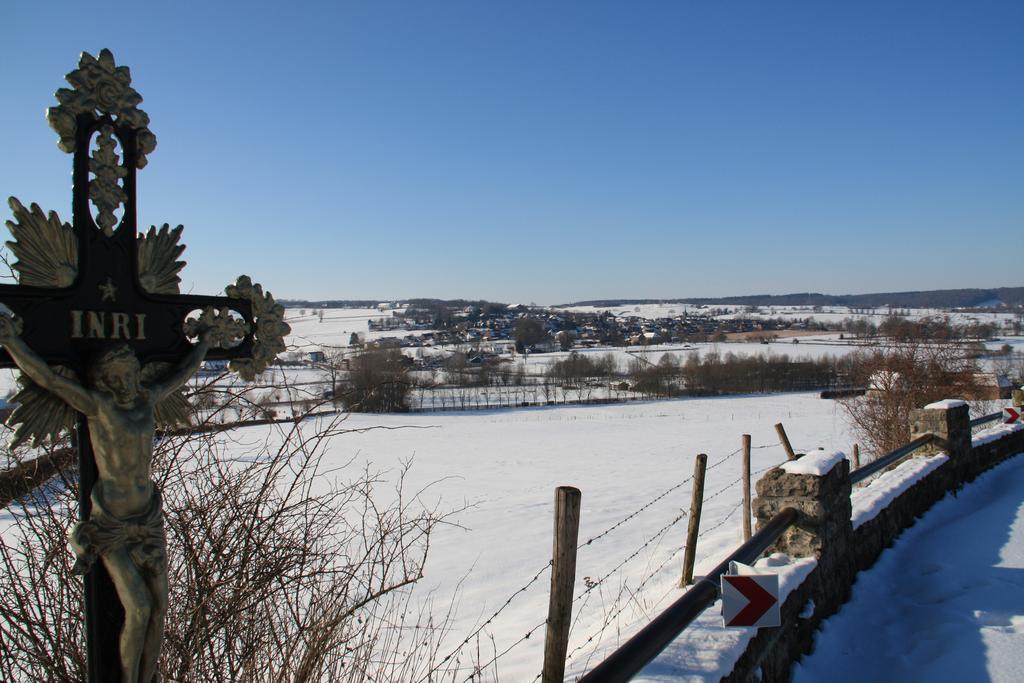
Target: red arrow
x=1011, y=416
x=760, y=600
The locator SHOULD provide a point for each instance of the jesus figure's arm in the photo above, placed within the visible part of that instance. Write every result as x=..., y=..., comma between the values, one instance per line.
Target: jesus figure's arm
x=185, y=369
x=73, y=393
x=213, y=327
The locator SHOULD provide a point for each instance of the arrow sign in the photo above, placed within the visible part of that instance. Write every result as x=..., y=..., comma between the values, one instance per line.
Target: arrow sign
x=1010, y=415
x=750, y=600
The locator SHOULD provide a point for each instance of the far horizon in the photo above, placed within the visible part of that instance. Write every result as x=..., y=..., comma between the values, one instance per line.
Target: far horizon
x=985, y=297
x=555, y=153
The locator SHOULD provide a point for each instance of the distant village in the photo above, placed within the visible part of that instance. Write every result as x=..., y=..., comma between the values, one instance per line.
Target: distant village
x=499, y=328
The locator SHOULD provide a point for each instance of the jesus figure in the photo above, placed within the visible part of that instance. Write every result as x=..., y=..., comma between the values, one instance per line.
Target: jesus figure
x=125, y=530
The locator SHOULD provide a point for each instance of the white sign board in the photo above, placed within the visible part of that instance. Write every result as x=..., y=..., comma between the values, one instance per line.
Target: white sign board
x=750, y=600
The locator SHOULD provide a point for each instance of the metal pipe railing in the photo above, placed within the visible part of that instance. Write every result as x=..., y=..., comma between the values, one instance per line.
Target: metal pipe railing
x=991, y=417
x=643, y=647
x=877, y=465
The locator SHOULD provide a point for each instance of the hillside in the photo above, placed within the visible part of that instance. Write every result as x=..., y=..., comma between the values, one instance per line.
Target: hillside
x=938, y=298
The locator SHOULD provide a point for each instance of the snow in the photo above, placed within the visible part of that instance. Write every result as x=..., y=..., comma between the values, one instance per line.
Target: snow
x=818, y=463
x=946, y=603
x=870, y=500
x=946, y=404
x=996, y=432
x=506, y=464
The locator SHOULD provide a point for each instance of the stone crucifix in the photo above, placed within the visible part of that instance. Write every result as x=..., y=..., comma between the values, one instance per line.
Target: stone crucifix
x=104, y=340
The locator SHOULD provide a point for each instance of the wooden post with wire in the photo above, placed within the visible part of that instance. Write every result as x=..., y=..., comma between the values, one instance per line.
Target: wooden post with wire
x=746, y=488
x=856, y=456
x=563, y=578
x=781, y=431
x=696, y=502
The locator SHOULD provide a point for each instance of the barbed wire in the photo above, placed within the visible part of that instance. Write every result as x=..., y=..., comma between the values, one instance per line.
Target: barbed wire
x=608, y=620
x=765, y=469
x=592, y=585
x=633, y=514
x=723, y=459
x=616, y=612
x=504, y=652
x=491, y=618
x=654, y=500
x=660, y=532
x=722, y=522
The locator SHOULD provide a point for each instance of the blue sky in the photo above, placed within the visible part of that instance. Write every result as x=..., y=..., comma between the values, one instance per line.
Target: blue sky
x=552, y=152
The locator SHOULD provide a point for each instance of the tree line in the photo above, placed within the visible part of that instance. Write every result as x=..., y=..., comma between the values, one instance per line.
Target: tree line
x=381, y=380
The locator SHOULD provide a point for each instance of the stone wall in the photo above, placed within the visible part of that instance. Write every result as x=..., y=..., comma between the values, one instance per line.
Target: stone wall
x=823, y=530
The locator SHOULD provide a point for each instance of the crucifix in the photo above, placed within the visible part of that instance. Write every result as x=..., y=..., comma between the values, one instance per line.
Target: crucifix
x=105, y=341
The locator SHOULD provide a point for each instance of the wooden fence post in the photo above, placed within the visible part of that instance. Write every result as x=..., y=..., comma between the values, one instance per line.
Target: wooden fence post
x=563, y=577
x=696, y=502
x=781, y=431
x=746, y=487
x=856, y=456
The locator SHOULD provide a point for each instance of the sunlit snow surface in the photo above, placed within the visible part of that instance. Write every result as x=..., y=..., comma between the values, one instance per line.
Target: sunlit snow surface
x=506, y=464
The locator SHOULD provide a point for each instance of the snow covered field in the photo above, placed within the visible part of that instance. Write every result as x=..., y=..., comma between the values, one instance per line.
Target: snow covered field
x=506, y=465
x=824, y=314
x=633, y=463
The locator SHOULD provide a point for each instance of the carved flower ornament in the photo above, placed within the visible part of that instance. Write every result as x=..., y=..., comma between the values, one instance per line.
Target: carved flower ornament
x=271, y=329
x=100, y=86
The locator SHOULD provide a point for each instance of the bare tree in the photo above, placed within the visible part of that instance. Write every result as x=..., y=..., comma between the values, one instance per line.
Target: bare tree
x=527, y=332
x=378, y=382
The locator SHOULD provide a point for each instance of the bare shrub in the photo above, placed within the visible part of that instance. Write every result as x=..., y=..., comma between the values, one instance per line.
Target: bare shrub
x=908, y=372
x=281, y=569
x=41, y=625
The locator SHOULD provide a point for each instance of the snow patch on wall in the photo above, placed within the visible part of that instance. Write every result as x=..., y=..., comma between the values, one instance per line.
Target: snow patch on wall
x=818, y=463
x=994, y=433
x=945, y=404
x=870, y=500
